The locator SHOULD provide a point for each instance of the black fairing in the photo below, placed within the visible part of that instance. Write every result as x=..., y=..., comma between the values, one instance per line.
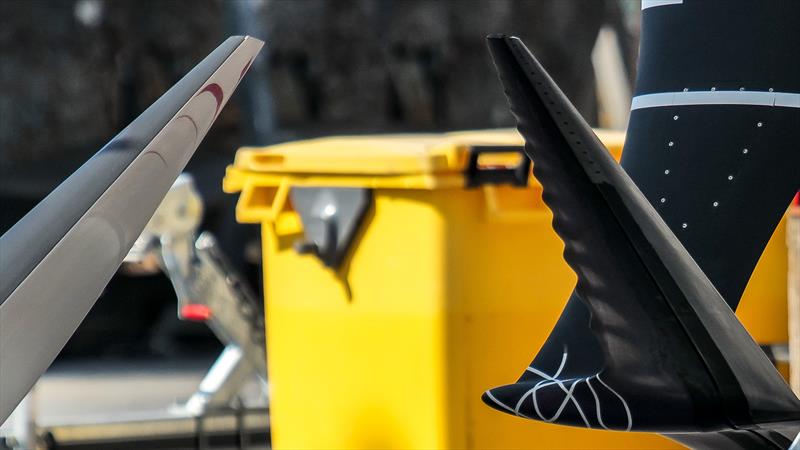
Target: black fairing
x=665, y=334
x=696, y=46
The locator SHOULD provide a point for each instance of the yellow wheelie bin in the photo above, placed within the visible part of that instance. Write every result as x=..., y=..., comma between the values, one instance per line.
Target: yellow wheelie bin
x=406, y=274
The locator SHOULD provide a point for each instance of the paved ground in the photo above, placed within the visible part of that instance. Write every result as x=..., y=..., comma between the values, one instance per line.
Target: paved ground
x=76, y=390
x=90, y=392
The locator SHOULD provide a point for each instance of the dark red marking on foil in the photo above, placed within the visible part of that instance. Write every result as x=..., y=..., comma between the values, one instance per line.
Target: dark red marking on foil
x=216, y=91
x=246, y=66
x=194, y=124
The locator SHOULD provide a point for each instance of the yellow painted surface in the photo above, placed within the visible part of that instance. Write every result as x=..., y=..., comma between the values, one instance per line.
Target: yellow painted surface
x=763, y=309
x=446, y=292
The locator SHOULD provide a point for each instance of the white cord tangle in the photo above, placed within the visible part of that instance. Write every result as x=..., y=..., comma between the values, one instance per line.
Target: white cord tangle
x=550, y=380
x=624, y=404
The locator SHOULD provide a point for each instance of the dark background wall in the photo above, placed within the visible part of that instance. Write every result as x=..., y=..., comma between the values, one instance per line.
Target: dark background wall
x=75, y=72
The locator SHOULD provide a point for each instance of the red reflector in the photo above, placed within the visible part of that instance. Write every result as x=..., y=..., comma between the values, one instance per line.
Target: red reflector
x=195, y=313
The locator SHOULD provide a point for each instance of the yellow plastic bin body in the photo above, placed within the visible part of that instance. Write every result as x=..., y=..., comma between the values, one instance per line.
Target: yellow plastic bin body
x=445, y=292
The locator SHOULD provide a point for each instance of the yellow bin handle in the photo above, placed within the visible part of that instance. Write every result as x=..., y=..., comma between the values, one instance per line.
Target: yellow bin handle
x=498, y=214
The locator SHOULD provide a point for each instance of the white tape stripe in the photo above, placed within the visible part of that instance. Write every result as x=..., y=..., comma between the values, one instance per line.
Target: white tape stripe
x=752, y=98
x=653, y=3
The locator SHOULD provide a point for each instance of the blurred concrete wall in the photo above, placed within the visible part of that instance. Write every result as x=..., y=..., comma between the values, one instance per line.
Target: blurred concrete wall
x=74, y=72
x=387, y=63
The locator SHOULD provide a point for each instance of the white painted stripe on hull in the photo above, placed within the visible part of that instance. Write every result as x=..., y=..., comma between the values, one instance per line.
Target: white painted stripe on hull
x=653, y=3
x=748, y=98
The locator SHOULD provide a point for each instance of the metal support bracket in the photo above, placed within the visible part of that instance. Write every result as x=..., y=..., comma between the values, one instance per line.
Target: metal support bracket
x=331, y=217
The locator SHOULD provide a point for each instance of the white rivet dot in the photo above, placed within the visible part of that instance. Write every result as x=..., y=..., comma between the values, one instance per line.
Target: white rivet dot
x=713, y=88
x=715, y=204
x=684, y=225
x=770, y=89
x=760, y=124
x=671, y=143
x=674, y=117
x=745, y=151
x=663, y=200
x=666, y=172
x=730, y=177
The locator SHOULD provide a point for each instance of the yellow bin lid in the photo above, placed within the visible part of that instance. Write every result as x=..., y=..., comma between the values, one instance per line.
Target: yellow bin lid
x=404, y=161
x=381, y=155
